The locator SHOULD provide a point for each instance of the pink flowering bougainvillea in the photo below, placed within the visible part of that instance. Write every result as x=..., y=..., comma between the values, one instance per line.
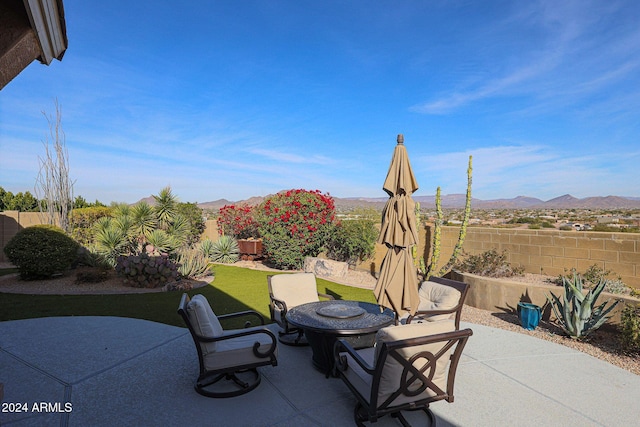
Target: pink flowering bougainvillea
x=238, y=221
x=295, y=224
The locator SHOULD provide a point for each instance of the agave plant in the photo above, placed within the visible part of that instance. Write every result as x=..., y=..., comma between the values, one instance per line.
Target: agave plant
x=192, y=263
x=205, y=246
x=225, y=250
x=577, y=312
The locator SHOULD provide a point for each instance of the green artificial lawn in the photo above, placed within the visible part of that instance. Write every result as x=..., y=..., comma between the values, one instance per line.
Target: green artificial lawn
x=234, y=289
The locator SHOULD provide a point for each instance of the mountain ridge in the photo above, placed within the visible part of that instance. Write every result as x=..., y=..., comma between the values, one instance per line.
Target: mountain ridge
x=455, y=201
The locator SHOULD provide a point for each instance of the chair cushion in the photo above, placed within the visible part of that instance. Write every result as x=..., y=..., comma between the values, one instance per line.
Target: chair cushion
x=238, y=351
x=391, y=376
x=204, y=321
x=295, y=289
x=357, y=376
x=434, y=296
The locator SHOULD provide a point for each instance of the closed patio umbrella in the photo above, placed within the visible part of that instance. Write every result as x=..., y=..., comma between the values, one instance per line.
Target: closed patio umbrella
x=397, y=285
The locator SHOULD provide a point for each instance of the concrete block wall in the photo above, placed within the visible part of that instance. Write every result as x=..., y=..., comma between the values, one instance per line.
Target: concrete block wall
x=13, y=221
x=553, y=252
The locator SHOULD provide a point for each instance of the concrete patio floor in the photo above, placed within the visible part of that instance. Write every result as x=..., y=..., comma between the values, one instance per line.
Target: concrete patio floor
x=114, y=371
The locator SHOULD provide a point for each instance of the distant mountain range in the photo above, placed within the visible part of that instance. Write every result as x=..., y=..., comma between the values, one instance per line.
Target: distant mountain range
x=452, y=201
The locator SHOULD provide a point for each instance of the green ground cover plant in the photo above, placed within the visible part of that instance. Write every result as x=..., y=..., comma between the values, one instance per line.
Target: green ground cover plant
x=234, y=289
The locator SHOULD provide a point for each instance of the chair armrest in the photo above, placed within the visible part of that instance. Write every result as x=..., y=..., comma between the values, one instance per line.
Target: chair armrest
x=430, y=313
x=235, y=333
x=249, y=313
x=281, y=305
x=341, y=361
x=326, y=296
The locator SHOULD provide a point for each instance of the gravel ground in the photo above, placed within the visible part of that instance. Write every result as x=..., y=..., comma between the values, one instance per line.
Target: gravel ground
x=603, y=344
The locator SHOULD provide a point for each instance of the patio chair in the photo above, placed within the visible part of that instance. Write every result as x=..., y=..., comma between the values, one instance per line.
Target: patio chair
x=228, y=359
x=410, y=367
x=287, y=291
x=440, y=299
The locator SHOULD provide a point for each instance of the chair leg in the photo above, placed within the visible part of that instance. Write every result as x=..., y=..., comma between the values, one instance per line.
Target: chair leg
x=286, y=337
x=359, y=416
x=405, y=423
x=228, y=384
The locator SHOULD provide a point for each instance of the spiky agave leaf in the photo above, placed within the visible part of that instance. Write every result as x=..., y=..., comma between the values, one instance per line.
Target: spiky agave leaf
x=577, y=315
x=166, y=205
x=225, y=250
x=205, y=247
x=161, y=241
x=192, y=263
x=110, y=242
x=179, y=228
x=143, y=218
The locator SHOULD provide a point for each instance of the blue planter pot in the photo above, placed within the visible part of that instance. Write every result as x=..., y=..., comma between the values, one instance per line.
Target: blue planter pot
x=529, y=315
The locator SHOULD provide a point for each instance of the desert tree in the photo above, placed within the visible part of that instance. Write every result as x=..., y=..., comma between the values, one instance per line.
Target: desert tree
x=54, y=187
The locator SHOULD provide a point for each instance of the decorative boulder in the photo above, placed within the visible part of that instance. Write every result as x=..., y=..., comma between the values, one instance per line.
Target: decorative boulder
x=325, y=267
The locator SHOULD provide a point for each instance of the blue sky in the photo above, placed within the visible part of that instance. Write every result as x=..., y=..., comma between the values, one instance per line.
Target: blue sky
x=233, y=99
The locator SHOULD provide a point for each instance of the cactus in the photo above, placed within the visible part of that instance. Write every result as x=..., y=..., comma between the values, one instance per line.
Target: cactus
x=577, y=313
x=435, y=254
x=146, y=271
x=463, y=227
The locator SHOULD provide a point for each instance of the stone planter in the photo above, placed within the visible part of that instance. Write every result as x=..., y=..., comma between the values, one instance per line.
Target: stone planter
x=500, y=295
x=250, y=249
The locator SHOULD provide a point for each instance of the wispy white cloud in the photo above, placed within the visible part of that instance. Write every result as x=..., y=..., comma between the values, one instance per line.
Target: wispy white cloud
x=571, y=63
x=291, y=157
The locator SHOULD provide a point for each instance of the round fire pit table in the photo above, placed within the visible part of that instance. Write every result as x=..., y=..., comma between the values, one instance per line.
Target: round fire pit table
x=325, y=321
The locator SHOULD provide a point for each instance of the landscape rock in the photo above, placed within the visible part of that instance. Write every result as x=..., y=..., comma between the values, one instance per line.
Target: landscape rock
x=326, y=267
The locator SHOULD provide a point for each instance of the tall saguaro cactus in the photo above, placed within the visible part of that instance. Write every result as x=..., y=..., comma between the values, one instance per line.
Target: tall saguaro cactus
x=435, y=255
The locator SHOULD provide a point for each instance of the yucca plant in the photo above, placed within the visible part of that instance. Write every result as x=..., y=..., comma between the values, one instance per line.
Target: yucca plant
x=577, y=312
x=225, y=250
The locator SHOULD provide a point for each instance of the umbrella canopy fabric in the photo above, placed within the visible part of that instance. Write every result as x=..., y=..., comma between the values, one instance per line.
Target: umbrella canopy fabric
x=397, y=286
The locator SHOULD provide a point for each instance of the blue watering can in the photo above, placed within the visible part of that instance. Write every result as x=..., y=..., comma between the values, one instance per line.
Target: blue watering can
x=529, y=315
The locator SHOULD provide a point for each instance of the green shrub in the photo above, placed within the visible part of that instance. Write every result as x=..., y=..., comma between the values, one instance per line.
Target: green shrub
x=295, y=224
x=238, y=221
x=224, y=251
x=41, y=251
x=577, y=312
x=82, y=221
x=194, y=217
x=353, y=241
x=489, y=264
x=146, y=271
x=630, y=323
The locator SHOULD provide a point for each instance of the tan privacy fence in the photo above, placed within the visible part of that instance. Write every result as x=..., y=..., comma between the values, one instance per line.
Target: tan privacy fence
x=549, y=252
x=554, y=252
